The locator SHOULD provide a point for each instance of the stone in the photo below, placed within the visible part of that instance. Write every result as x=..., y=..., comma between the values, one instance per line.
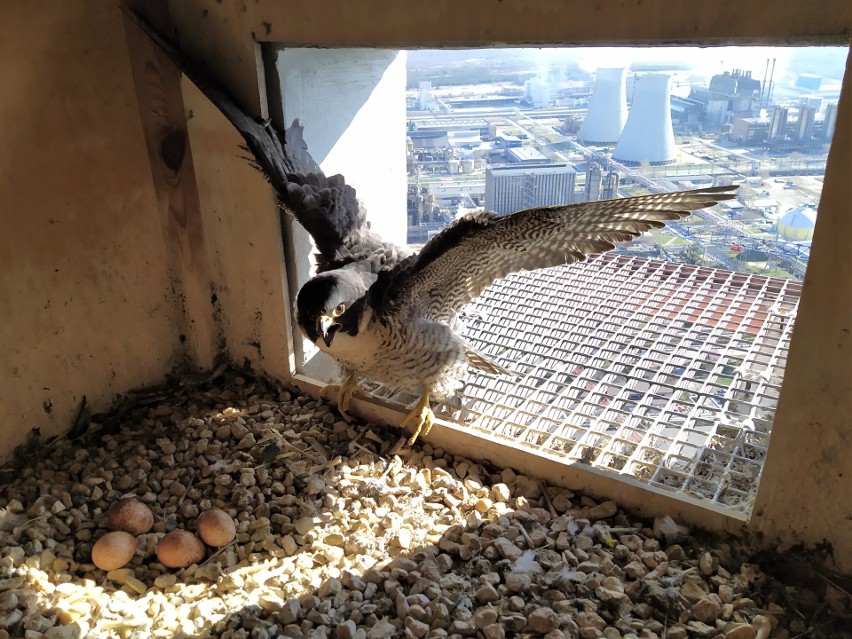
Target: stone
x=494, y=631
x=707, y=609
x=500, y=493
x=417, y=628
x=518, y=582
x=676, y=632
x=289, y=612
x=466, y=628
x=707, y=564
x=740, y=631
x=602, y=511
x=701, y=630
x=665, y=528
x=693, y=590
x=485, y=616
x=635, y=570
x=382, y=630
x=486, y=593
x=542, y=620
x=507, y=549
x=590, y=620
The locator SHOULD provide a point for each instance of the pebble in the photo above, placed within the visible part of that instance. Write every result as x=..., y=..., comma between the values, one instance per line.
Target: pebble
x=518, y=582
x=740, y=631
x=542, y=620
x=494, y=631
x=707, y=564
x=707, y=609
x=485, y=616
x=487, y=593
x=590, y=620
x=336, y=538
x=507, y=549
x=603, y=510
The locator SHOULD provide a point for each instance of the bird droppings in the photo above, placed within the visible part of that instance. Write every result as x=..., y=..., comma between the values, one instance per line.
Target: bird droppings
x=336, y=538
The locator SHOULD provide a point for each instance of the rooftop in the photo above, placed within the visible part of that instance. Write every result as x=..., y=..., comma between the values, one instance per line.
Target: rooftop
x=523, y=169
x=527, y=154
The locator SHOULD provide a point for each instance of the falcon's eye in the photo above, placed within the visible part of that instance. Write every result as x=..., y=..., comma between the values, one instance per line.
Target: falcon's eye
x=339, y=310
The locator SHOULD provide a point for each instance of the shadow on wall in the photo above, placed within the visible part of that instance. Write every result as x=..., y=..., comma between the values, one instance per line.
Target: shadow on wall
x=336, y=538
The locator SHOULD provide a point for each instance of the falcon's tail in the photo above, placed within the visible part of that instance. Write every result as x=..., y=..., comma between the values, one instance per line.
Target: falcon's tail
x=479, y=361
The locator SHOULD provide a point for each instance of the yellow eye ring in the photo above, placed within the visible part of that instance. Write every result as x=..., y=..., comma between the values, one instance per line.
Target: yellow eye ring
x=339, y=310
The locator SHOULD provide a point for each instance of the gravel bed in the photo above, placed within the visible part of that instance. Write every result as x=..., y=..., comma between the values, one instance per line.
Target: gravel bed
x=339, y=537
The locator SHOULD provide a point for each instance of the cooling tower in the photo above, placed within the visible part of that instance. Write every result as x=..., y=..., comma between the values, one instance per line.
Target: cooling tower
x=607, y=110
x=648, y=135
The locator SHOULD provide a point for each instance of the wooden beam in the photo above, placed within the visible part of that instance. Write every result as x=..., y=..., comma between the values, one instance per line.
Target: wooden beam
x=164, y=123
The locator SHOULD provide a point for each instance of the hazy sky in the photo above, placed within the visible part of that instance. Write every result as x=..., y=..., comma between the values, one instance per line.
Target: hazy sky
x=828, y=62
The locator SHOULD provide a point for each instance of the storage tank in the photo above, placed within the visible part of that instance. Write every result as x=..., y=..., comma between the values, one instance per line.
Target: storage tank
x=467, y=165
x=797, y=225
x=453, y=166
x=648, y=135
x=608, y=109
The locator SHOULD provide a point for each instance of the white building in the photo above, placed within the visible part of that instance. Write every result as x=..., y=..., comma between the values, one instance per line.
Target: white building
x=425, y=99
x=512, y=188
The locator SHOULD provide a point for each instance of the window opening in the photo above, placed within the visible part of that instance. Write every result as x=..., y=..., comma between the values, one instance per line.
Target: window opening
x=663, y=360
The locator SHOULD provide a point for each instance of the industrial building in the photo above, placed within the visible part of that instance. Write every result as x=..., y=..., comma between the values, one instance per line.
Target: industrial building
x=778, y=124
x=730, y=94
x=511, y=188
x=805, y=125
x=600, y=185
x=829, y=121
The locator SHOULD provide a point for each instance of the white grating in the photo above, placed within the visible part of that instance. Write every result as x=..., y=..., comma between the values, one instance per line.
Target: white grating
x=668, y=373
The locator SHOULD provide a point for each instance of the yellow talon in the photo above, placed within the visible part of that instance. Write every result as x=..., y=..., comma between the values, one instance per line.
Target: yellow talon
x=420, y=418
x=344, y=395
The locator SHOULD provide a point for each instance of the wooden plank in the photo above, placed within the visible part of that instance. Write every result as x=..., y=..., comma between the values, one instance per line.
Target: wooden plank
x=164, y=123
x=224, y=34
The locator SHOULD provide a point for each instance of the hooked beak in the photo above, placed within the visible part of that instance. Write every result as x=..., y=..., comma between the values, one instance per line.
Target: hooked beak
x=326, y=328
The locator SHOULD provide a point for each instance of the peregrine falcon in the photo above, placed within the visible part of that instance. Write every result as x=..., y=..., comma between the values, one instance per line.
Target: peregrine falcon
x=391, y=321
x=386, y=314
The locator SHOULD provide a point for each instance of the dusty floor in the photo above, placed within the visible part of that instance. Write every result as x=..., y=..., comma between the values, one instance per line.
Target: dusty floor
x=337, y=538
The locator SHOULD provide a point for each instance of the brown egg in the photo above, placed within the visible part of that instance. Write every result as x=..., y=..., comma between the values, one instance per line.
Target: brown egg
x=130, y=516
x=113, y=550
x=179, y=549
x=216, y=528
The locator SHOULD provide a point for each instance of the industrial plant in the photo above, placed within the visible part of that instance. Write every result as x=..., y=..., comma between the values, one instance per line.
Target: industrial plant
x=629, y=130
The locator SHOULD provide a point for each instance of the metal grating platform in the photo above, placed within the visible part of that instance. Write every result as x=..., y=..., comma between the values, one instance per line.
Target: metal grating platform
x=667, y=373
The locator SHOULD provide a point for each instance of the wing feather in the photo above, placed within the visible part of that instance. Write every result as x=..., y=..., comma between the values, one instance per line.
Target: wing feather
x=327, y=207
x=456, y=265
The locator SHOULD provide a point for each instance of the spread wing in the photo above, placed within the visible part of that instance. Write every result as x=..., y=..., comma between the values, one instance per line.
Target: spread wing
x=327, y=207
x=457, y=264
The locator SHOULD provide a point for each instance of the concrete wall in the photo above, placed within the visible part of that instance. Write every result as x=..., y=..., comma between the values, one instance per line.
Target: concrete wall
x=89, y=304
x=806, y=488
x=352, y=105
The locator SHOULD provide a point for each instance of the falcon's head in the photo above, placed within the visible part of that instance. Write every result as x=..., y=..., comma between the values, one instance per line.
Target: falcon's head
x=330, y=303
